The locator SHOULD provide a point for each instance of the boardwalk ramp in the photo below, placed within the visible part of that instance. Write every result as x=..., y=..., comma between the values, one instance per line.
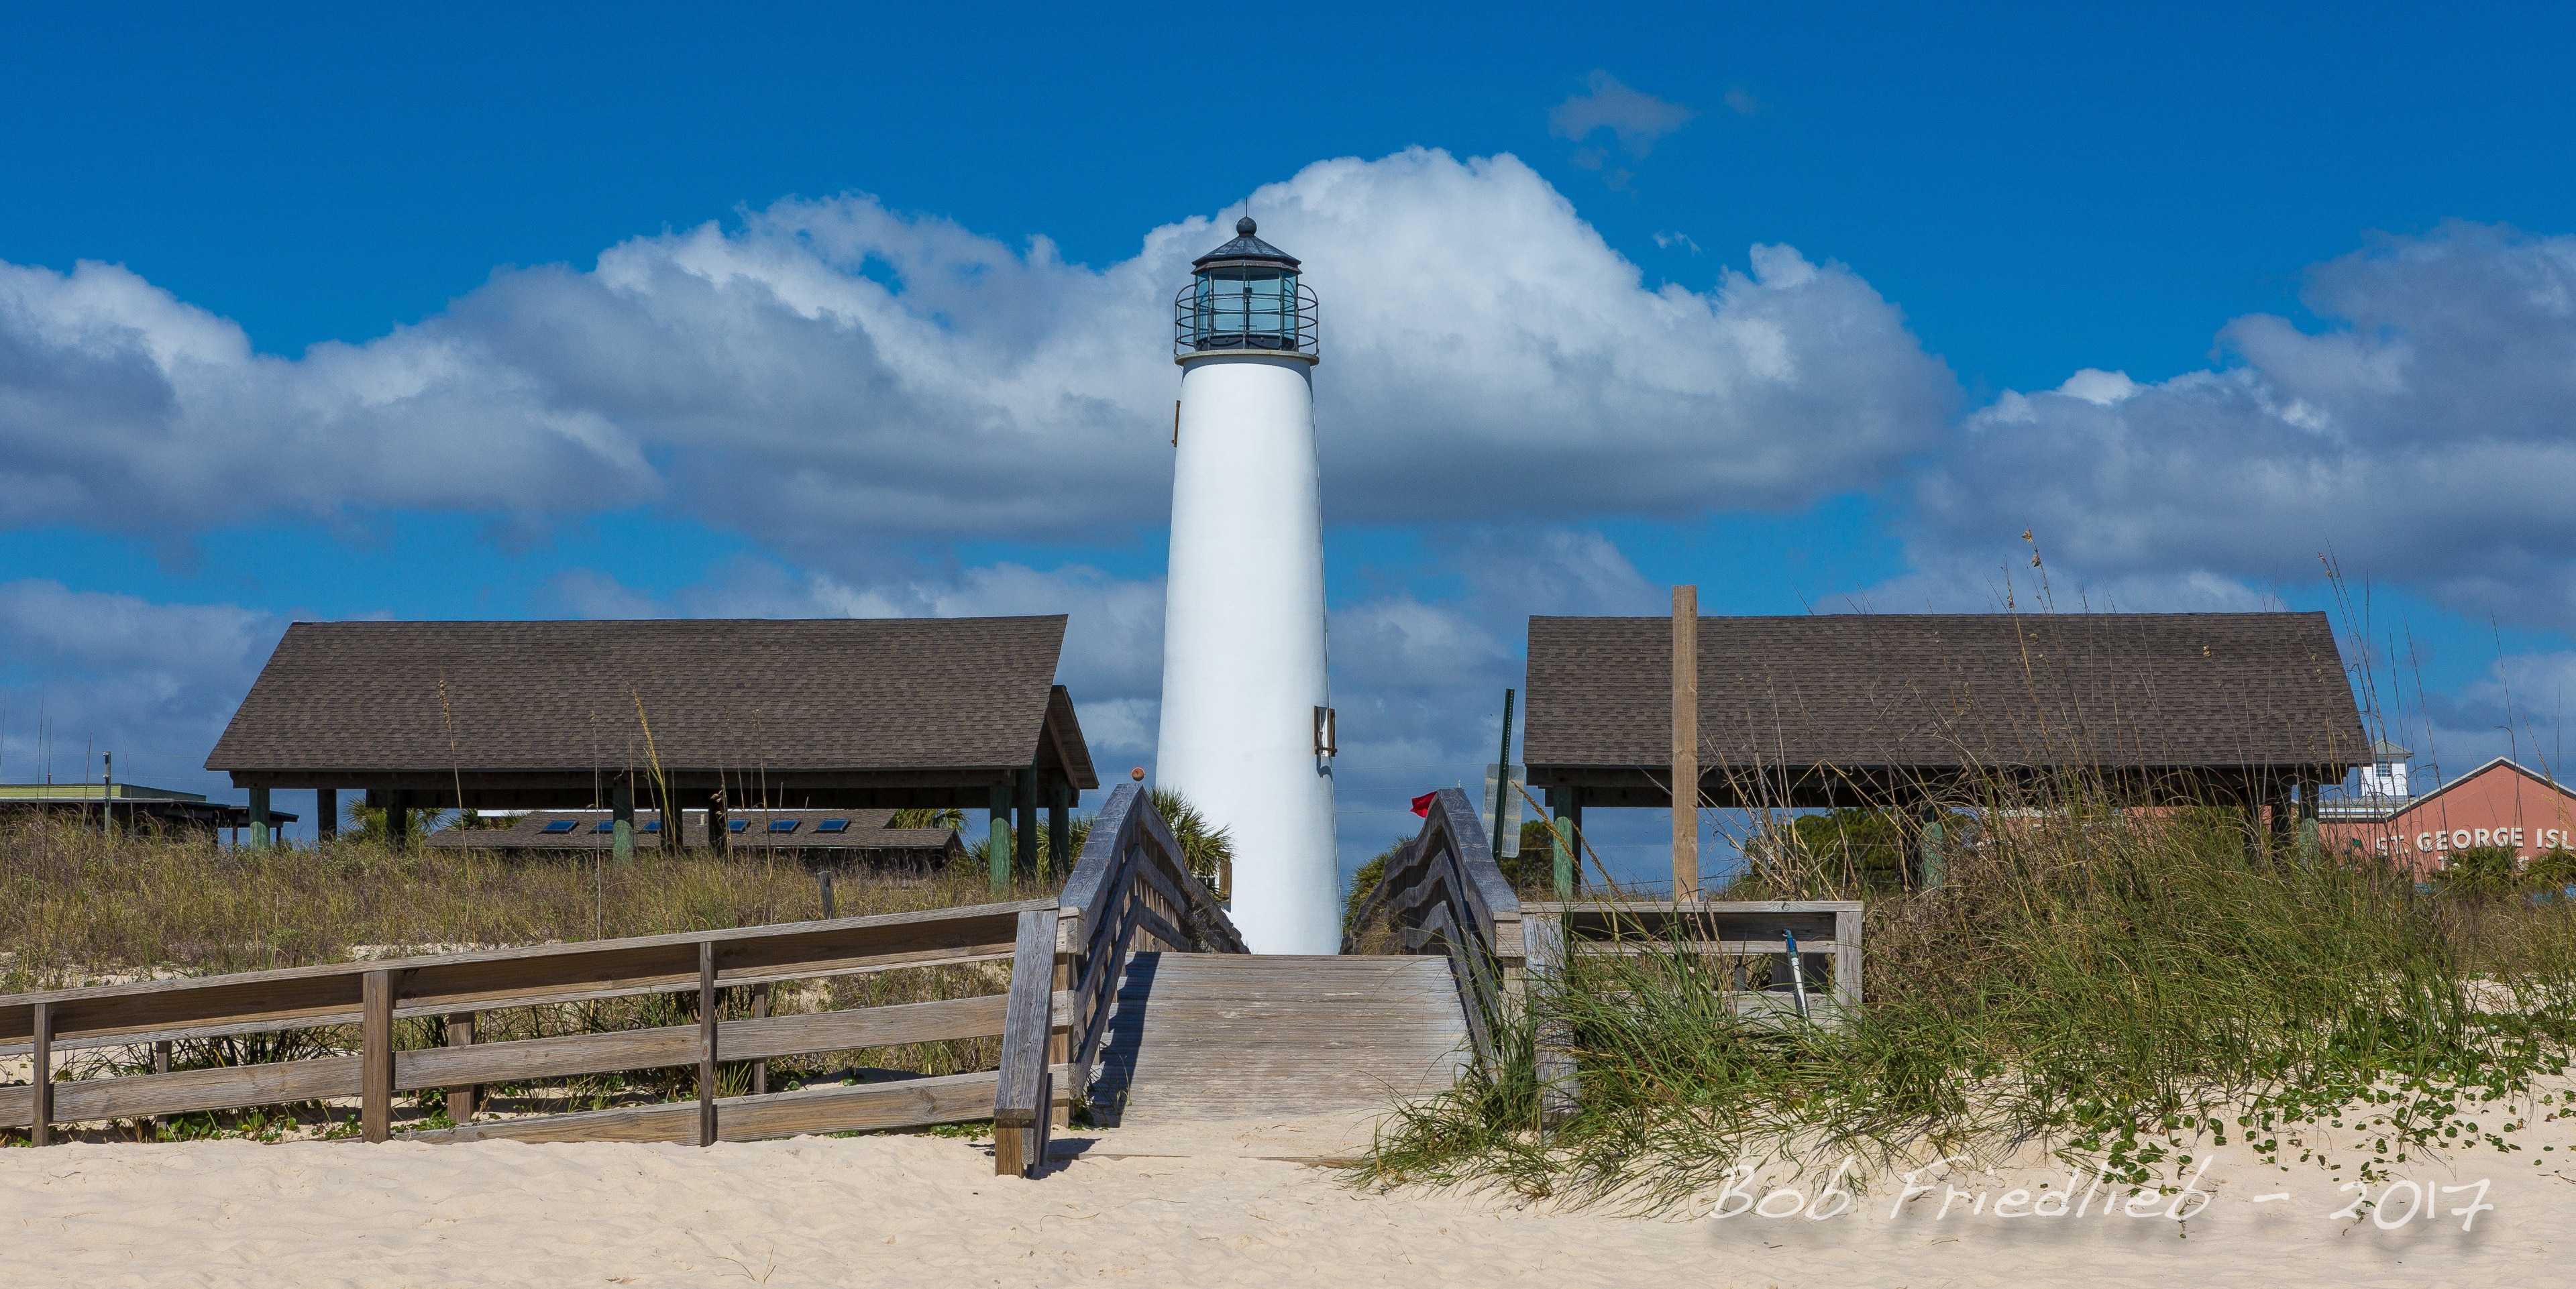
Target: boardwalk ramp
x=1225, y=1036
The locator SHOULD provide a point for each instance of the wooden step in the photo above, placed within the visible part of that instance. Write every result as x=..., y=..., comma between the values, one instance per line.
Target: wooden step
x=1203, y=1036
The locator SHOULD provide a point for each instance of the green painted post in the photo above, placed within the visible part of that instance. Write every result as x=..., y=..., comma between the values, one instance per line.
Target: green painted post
x=1932, y=854
x=1060, y=830
x=621, y=805
x=997, y=837
x=1561, y=846
x=1024, y=860
x=259, y=830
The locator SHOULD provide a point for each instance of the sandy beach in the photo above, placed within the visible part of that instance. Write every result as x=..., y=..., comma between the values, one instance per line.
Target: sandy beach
x=1220, y=1204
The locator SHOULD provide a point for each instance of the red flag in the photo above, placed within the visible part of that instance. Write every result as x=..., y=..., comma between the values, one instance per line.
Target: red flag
x=1422, y=804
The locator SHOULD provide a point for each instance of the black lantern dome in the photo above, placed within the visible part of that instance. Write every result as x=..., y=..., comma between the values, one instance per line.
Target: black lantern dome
x=1244, y=295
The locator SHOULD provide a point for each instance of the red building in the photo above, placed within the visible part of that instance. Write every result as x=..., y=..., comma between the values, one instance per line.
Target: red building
x=2500, y=804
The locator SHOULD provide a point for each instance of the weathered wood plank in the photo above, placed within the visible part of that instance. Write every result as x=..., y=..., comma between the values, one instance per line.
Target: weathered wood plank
x=455, y=982
x=956, y=1098
x=963, y=955
x=229, y=1087
x=561, y=1056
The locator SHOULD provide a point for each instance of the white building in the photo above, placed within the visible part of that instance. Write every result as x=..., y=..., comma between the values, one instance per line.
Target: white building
x=1246, y=732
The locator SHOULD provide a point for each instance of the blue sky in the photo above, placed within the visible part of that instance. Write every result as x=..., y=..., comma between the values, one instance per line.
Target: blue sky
x=464, y=313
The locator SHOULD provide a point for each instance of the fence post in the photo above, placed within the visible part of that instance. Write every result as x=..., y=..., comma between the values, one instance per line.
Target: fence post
x=376, y=1035
x=760, y=1068
x=460, y=1100
x=40, y=1115
x=160, y=1065
x=1685, y=743
x=1023, y=1101
x=706, y=1042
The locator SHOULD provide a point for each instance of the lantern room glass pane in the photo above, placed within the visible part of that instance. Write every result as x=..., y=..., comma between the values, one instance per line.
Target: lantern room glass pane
x=1244, y=309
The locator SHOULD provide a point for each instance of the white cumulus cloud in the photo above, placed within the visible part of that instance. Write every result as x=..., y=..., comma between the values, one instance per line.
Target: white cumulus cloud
x=829, y=372
x=2425, y=435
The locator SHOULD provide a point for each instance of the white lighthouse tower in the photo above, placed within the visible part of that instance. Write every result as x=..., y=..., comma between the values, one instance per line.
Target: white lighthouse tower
x=1246, y=705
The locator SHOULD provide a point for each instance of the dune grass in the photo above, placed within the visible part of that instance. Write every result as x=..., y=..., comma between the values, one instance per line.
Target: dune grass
x=2122, y=992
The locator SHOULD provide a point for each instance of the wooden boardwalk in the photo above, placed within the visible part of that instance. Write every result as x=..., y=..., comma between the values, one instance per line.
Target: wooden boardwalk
x=1208, y=1036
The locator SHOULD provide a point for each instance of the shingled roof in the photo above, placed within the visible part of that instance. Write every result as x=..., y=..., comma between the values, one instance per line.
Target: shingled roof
x=2216, y=696
x=531, y=713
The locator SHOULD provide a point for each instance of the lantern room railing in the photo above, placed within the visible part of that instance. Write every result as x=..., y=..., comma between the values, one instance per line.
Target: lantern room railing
x=1225, y=308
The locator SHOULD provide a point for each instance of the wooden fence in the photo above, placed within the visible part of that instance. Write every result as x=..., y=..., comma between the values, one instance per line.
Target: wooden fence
x=1131, y=890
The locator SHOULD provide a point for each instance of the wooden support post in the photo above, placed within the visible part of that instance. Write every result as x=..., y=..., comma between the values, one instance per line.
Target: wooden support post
x=40, y=1115
x=1060, y=1046
x=621, y=810
x=824, y=879
x=1024, y=860
x=1565, y=863
x=259, y=828
x=1847, y=924
x=376, y=1053
x=674, y=820
x=706, y=1042
x=1060, y=829
x=719, y=824
x=760, y=1069
x=997, y=837
x=397, y=821
x=461, y=1101
x=160, y=1065
x=1685, y=743
x=326, y=814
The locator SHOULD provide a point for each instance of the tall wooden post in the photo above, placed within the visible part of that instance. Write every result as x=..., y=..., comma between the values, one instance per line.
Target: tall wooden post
x=160, y=1065
x=674, y=819
x=706, y=1042
x=40, y=1116
x=397, y=821
x=376, y=1056
x=1685, y=742
x=259, y=829
x=719, y=826
x=621, y=811
x=997, y=836
x=326, y=813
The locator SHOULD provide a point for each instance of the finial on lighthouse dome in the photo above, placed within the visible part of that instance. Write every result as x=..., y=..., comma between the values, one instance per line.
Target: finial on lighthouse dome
x=1244, y=295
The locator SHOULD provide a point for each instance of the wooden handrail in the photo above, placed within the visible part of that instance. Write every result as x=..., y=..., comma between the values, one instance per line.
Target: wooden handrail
x=1443, y=893
x=1131, y=890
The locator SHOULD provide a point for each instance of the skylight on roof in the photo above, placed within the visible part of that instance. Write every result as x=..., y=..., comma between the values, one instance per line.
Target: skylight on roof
x=833, y=825
x=737, y=825
x=782, y=825
x=605, y=825
x=652, y=825
x=558, y=825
